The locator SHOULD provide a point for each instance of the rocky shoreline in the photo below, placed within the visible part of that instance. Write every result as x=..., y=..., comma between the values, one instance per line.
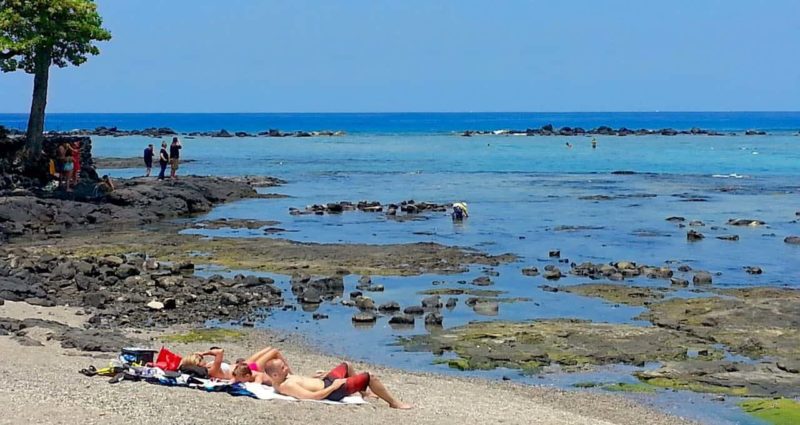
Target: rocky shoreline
x=134, y=202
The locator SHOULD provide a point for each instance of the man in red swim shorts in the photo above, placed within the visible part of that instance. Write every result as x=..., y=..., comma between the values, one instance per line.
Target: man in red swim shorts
x=335, y=385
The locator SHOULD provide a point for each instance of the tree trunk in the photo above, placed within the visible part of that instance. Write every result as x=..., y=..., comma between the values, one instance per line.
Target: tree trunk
x=38, y=104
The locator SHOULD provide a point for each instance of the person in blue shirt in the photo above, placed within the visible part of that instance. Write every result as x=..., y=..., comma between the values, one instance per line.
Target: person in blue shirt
x=148, y=159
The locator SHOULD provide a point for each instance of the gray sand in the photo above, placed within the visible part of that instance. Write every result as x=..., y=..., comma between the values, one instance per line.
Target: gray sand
x=41, y=385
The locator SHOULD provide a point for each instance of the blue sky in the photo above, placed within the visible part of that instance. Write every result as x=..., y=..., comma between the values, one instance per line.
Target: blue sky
x=430, y=55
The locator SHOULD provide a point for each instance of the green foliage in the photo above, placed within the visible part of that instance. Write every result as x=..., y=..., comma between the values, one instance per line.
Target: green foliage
x=64, y=30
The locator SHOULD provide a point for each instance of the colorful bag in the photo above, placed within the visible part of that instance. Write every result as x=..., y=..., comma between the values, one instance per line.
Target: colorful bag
x=137, y=356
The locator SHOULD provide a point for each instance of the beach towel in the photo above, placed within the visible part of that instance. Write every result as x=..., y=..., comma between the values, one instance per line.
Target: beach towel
x=248, y=389
x=264, y=392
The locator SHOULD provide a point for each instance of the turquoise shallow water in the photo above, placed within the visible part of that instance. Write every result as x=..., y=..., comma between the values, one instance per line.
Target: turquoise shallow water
x=520, y=191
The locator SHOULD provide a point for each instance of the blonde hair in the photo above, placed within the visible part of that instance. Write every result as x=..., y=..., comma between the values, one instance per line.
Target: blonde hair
x=193, y=359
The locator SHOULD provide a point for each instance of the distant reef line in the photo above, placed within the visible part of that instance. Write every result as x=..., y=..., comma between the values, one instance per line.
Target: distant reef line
x=603, y=130
x=545, y=130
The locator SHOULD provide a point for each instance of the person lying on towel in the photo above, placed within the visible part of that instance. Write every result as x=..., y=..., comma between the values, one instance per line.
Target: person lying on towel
x=335, y=385
x=218, y=369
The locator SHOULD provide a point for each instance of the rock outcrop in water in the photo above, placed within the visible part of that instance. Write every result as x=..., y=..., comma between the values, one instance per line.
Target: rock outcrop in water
x=603, y=130
x=395, y=210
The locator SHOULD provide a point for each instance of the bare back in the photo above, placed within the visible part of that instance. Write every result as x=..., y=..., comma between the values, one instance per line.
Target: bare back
x=297, y=386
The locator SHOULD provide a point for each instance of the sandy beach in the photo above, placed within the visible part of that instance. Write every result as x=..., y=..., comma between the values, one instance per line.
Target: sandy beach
x=41, y=385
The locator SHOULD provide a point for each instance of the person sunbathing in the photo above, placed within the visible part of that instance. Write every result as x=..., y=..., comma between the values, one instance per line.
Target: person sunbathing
x=218, y=369
x=337, y=384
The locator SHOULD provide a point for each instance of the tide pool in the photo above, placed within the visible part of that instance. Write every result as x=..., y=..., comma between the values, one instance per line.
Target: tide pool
x=527, y=196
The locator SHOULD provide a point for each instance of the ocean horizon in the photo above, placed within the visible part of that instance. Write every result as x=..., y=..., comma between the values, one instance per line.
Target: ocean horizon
x=414, y=122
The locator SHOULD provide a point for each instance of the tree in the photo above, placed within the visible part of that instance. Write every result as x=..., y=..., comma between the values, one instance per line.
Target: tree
x=35, y=34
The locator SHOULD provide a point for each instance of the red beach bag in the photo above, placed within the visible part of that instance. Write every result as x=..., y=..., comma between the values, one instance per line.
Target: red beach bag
x=167, y=360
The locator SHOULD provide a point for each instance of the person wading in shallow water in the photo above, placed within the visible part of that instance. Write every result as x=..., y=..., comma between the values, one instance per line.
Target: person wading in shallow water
x=148, y=159
x=163, y=160
x=174, y=157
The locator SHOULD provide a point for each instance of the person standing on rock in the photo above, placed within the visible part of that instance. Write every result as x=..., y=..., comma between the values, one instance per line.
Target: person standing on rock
x=76, y=162
x=69, y=166
x=163, y=160
x=174, y=157
x=148, y=159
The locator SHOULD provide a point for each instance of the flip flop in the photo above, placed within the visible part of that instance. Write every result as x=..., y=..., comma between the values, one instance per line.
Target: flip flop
x=90, y=371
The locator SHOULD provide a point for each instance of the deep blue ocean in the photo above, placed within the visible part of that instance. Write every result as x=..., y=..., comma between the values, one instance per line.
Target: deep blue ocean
x=407, y=123
x=527, y=196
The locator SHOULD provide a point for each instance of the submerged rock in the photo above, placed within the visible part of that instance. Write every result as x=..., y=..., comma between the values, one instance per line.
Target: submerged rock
x=792, y=240
x=434, y=318
x=364, y=318
x=693, y=235
x=402, y=319
x=702, y=278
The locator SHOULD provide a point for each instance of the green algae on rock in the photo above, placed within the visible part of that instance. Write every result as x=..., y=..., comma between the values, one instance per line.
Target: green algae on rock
x=774, y=411
x=627, y=387
x=753, y=322
x=762, y=379
x=619, y=293
x=205, y=335
x=569, y=343
x=279, y=255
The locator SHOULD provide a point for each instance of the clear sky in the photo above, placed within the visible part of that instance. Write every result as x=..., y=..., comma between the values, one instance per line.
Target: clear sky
x=432, y=55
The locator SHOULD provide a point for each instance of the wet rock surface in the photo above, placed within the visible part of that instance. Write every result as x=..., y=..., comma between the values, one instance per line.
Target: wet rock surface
x=618, y=293
x=753, y=322
x=405, y=210
x=281, y=256
x=688, y=338
x=569, y=343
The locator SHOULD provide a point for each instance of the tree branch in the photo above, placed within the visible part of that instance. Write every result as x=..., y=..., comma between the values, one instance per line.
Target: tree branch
x=9, y=54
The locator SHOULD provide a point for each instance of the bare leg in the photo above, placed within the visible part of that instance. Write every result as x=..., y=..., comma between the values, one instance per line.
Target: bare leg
x=254, y=358
x=377, y=386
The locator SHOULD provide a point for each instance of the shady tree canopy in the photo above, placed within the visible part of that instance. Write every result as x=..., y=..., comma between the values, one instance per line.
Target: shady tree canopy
x=35, y=34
